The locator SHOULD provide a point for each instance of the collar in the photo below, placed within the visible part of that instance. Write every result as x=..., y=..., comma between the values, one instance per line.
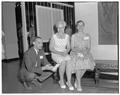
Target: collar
x=36, y=51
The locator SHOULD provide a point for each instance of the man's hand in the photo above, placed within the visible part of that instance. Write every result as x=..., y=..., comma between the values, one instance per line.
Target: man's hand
x=47, y=67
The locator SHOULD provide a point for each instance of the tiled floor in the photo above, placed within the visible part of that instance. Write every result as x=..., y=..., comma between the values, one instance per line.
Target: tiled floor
x=10, y=83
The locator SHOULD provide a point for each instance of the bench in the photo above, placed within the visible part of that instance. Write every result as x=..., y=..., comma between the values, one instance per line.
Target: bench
x=107, y=67
x=102, y=66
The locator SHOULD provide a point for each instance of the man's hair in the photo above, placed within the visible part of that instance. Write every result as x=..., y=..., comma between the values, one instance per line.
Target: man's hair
x=35, y=37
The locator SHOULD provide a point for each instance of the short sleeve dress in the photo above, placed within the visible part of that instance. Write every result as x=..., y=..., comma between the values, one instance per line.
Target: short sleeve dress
x=60, y=45
x=86, y=61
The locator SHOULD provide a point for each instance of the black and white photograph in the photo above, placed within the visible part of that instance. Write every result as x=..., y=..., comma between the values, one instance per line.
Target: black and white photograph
x=64, y=47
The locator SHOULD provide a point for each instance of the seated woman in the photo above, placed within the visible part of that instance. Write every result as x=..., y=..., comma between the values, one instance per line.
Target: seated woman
x=81, y=58
x=60, y=46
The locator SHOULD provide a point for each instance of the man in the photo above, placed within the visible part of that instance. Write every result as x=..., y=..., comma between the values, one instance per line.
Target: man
x=35, y=67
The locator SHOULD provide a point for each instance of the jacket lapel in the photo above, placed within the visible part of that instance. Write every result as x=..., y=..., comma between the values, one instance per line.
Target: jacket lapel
x=33, y=55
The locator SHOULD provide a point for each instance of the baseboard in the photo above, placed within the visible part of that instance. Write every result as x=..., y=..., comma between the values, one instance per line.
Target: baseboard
x=111, y=81
x=10, y=60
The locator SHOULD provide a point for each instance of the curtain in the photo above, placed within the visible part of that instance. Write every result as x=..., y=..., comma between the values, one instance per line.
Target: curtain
x=108, y=23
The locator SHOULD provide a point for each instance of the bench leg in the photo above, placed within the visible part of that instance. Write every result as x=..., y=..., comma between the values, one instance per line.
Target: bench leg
x=97, y=75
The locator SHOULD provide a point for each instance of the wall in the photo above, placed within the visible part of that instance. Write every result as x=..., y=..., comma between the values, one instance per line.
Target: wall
x=9, y=28
x=88, y=12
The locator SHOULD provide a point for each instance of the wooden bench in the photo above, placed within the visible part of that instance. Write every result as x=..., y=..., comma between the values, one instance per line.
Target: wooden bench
x=109, y=67
x=102, y=66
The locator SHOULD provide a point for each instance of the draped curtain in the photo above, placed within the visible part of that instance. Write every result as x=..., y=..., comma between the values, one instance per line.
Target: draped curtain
x=108, y=23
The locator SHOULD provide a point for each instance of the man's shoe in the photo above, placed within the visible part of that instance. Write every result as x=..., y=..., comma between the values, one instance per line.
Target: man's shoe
x=27, y=86
x=36, y=83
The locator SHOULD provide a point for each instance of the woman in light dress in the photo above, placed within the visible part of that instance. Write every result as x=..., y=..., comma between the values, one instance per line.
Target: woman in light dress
x=60, y=46
x=81, y=58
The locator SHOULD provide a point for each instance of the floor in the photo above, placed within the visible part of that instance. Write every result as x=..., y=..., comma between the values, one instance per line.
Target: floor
x=10, y=83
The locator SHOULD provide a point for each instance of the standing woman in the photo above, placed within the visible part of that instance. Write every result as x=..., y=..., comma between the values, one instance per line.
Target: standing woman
x=60, y=46
x=81, y=57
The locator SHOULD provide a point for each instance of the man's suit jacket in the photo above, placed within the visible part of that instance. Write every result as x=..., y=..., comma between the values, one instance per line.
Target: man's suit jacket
x=32, y=62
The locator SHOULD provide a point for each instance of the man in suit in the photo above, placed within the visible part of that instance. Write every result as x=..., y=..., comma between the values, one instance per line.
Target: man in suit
x=35, y=67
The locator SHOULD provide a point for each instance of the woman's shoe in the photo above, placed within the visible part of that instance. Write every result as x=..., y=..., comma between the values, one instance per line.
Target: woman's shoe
x=70, y=87
x=62, y=86
x=79, y=89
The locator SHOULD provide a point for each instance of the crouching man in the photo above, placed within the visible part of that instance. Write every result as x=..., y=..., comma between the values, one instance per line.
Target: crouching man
x=35, y=67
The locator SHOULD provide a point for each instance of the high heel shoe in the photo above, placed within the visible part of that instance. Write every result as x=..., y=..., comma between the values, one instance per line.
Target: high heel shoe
x=70, y=87
x=62, y=86
x=78, y=89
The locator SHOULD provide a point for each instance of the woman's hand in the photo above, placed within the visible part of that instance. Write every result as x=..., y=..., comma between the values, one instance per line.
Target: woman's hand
x=86, y=50
x=76, y=50
x=63, y=53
